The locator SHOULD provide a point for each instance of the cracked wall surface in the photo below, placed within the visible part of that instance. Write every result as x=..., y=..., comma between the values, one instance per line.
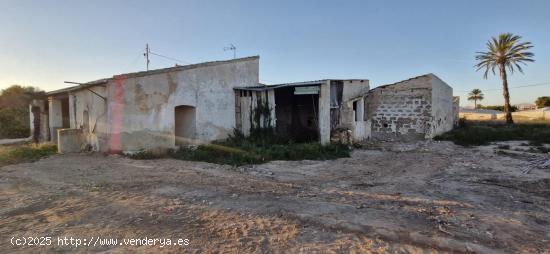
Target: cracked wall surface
x=148, y=103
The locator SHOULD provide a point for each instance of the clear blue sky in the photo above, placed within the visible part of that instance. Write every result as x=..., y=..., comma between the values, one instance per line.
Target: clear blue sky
x=43, y=43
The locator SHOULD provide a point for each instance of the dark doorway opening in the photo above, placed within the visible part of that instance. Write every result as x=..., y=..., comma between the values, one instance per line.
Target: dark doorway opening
x=297, y=115
x=36, y=124
x=65, y=116
x=185, y=125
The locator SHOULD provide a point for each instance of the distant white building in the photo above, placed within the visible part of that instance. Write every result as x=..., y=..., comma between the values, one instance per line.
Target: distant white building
x=479, y=114
x=526, y=106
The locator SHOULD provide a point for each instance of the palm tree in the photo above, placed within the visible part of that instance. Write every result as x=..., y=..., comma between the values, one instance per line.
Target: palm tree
x=475, y=95
x=505, y=52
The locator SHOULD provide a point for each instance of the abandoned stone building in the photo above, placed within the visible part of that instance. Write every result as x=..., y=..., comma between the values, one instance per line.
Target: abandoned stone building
x=305, y=111
x=420, y=107
x=200, y=103
x=145, y=110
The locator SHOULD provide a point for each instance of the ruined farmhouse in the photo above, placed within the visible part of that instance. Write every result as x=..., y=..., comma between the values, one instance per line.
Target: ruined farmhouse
x=200, y=103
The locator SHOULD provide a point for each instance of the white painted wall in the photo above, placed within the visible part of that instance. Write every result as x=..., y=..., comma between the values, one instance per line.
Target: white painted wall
x=355, y=90
x=148, y=102
x=55, y=118
x=97, y=133
x=442, y=107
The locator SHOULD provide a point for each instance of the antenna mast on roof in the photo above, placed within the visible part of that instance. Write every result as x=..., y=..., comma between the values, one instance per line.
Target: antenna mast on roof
x=146, y=54
x=231, y=47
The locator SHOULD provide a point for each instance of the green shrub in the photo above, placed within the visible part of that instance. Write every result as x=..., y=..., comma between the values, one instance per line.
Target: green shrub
x=25, y=153
x=261, y=146
x=484, y=133
x=14, y=123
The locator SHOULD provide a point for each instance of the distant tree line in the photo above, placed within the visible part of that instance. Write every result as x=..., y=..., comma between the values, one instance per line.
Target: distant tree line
x=477, y=95
x=499, y=108
x=14, y=110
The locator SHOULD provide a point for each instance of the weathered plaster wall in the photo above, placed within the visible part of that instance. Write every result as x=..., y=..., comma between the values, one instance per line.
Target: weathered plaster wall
x=354, y=89
x=55, y=118
x=402, y=110
x=69, y=140
x=456, y=110
x=91, y=116
x=354, y=120
x=442, y=107
x=146, y=117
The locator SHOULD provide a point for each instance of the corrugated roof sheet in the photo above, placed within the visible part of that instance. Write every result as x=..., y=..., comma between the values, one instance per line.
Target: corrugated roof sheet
x=293, y=84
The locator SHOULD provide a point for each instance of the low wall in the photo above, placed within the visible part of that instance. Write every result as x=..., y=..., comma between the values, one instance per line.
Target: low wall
x=478, y=116
x=69, y=140
x=531, y=114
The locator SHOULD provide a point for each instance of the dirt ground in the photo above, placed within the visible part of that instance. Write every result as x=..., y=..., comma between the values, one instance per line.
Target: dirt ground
x=424, y=197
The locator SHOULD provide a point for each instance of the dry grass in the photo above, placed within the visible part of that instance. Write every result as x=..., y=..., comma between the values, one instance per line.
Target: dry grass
x=484, y=132
x=25, y=153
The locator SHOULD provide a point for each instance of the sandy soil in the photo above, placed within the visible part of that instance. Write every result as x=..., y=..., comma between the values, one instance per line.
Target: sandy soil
x=425, y=197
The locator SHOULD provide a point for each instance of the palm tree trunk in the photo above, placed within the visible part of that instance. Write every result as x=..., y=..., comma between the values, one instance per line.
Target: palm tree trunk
x=475, y=104
x=507, y=106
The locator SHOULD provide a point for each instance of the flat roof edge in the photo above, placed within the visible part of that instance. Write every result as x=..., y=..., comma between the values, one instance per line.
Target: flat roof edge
x=184, y=67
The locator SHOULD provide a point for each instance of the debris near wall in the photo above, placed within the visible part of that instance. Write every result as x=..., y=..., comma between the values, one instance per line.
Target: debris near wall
x=342, y=136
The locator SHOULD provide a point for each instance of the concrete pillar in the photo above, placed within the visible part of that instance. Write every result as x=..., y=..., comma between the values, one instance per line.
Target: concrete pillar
x=271, y=99
x=324, y=113
x=31, y=121
x=55, y=117
x=72, y=112
x=360, y=110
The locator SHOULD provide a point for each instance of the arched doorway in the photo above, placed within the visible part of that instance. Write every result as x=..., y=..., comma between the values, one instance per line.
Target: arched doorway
x=185, y=125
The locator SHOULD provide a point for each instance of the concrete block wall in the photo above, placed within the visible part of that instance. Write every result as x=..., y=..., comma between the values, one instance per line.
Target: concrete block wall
x=401, y=111
x=417, y=108
x=401, y=115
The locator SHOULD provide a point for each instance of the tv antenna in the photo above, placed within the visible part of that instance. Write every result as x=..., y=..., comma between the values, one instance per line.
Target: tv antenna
x=231, y=47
